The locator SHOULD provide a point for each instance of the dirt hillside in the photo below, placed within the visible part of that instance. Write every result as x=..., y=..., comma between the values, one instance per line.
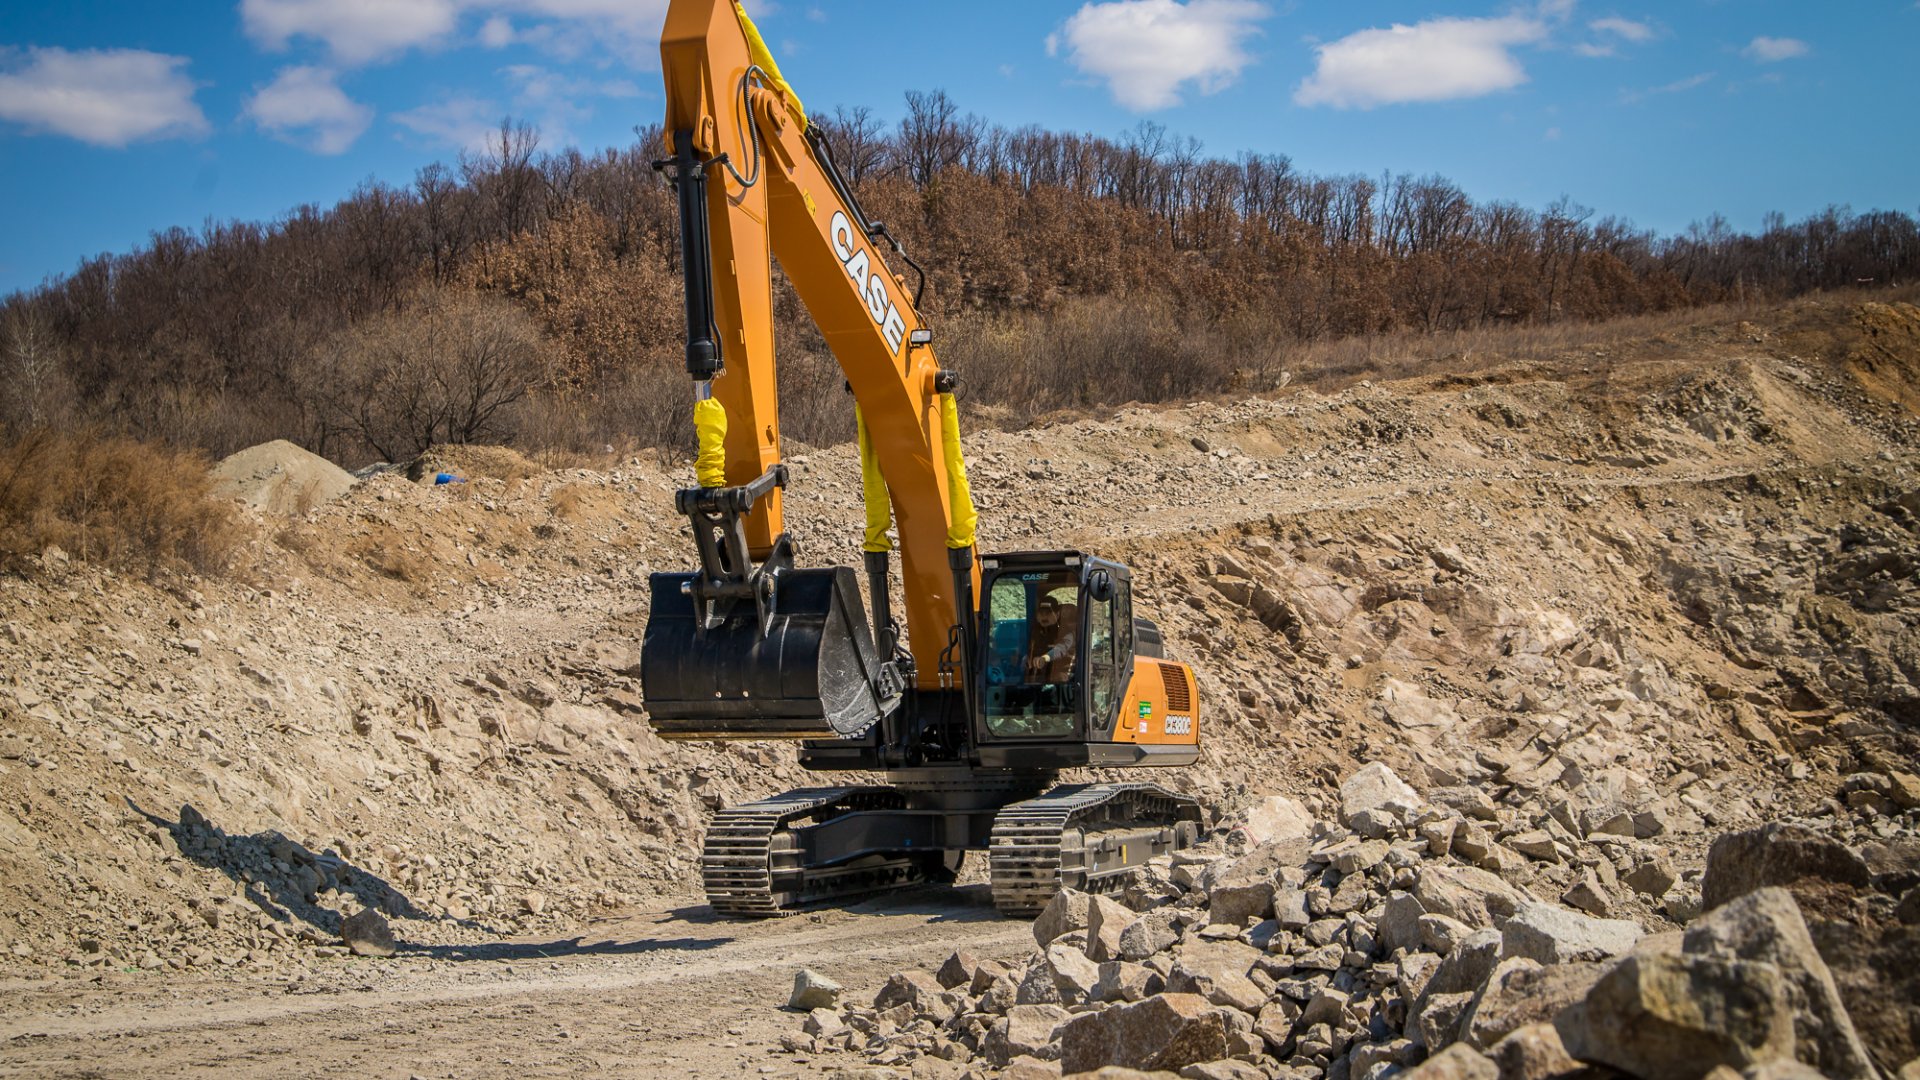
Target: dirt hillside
x=1674, y=580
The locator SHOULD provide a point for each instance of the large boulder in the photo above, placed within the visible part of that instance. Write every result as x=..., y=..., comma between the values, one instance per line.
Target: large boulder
x=1376, y=789
x=1547, y=934
x=1242, y=891
x=1521, y=992
x=1399, y=925
x=1151, y=933
x=1220, y=972
x=812, y=990
x=367, y=933
x=1166, y=1031
x=1456, y=1062
x=1766, y=925
x=1467, y=894
x=1074, y=976
x=959, y=970
x=1468, y=965
x=1107, y=920
x=1124, y=981
x=1673, y=1016
x=906, y=988
x=1065, y=913
x=1277, y=818
x=1776, y=854
x=1026, y=1029
x=1533, y=1052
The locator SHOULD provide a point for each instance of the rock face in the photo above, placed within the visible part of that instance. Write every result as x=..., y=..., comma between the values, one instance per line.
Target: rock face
x=1666, y=1016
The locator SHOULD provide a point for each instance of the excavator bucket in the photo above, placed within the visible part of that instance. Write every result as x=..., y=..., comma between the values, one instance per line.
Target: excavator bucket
x=810, y=673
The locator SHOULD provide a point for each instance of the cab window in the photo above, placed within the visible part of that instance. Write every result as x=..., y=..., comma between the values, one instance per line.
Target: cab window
x=1032, y=647
x=1101, y=666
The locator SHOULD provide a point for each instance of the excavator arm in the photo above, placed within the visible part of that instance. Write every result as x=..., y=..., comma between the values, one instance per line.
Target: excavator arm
x=755, y=182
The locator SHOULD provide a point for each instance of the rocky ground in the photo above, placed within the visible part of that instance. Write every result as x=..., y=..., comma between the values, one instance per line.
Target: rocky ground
x=1379, y=945
x=1595, y=612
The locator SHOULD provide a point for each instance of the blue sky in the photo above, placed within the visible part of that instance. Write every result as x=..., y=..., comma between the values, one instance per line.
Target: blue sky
x=119, y=118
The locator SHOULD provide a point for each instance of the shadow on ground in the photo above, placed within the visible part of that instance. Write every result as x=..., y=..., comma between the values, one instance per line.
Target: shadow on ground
x=286, y=880
x=556, y=950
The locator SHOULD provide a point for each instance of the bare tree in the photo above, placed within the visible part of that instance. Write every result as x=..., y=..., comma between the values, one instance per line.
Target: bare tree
x=441, y=372
x=34, y=389
x=932, y=138
x=859, y=147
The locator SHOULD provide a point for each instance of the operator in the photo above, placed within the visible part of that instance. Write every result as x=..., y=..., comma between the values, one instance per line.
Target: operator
x=1050, y=647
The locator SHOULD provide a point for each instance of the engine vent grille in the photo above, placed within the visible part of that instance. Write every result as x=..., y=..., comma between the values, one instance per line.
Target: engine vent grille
x=1179, y=690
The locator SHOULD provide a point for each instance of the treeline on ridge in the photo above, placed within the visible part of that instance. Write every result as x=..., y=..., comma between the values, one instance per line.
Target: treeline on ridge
x=532, y=297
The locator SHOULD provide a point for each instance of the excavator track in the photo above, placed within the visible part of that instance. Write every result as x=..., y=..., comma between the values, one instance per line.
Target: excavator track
x=1085, y=837
x=751, y=865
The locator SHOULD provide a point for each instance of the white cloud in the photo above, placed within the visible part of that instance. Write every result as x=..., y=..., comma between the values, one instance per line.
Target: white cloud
x=1436, y=60
x=496, y=32
x=306, y=107
x=1768, y=50
x=108, y=97
x=1679, y=86
x=1147, y=50
x=1636, y=32
x=1593, y=49
x=355, y=31
x=359, y=32
x=552, y=102
x=462, y=122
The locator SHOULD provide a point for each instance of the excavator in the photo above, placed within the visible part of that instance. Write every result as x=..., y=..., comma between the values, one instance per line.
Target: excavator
x=1012, y=667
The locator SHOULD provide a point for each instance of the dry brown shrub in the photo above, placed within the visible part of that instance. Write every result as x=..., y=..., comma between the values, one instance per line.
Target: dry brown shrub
x=568, y=501
x=113, y=500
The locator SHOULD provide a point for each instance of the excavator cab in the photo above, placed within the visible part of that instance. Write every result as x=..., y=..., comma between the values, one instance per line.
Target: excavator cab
x=1068, y=675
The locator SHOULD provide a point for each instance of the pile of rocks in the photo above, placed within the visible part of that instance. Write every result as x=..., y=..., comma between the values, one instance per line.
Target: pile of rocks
x=1383, y=946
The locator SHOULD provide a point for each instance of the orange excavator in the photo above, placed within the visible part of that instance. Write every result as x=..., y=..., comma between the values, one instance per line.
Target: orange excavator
x=1012, y=667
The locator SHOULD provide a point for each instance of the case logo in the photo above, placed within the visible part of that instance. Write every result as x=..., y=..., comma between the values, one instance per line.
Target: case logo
x=870, y=283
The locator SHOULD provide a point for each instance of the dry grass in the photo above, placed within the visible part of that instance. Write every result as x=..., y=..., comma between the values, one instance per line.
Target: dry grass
x=112, y=500
x=568, y=501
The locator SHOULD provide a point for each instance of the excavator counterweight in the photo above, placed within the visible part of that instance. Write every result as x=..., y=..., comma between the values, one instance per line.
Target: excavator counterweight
x=1010, y=667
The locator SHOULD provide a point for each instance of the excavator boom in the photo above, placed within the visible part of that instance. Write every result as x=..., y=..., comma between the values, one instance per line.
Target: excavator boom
x=723, y=101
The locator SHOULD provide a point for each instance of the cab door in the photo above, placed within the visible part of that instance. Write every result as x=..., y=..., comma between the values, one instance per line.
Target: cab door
x=1108, y=621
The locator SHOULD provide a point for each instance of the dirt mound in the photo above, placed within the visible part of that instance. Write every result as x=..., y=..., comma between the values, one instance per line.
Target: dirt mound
x=1887, y=361
x=473, y=463
x=280, y=478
